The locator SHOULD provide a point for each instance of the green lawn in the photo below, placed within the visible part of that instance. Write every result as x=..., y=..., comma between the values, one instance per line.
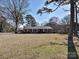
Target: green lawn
x=34, y=46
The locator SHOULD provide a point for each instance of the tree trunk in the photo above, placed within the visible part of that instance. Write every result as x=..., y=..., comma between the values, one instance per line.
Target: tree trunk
x=16, y=27
x=71, y=47
x=70, y=36
x=76, y=19
x=1, y=26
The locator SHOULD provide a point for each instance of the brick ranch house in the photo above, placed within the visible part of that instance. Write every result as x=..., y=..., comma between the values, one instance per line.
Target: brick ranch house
x=37, y=29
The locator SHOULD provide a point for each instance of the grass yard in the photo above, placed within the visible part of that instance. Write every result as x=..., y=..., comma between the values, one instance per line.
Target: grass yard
x=34, y=46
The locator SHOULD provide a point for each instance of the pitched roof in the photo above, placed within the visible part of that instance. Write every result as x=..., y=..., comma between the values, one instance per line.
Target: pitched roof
x=38, y=27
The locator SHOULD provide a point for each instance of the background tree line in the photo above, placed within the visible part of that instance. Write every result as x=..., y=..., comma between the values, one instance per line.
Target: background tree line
x=59, y=25
x=15, y=11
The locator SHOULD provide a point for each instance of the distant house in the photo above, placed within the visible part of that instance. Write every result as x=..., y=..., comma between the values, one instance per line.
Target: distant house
x=37, y=29
x=65, y=28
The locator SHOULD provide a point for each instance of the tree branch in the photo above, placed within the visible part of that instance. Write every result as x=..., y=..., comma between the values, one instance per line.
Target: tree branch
x=58, y=6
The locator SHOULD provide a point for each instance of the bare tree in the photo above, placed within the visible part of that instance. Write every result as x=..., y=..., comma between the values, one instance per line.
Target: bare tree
x=66, y=20
x=14, y=10
x=65, y=23
x=53, y=23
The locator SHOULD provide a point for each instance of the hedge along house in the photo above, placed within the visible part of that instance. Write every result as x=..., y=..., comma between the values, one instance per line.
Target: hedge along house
x=37, y=29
